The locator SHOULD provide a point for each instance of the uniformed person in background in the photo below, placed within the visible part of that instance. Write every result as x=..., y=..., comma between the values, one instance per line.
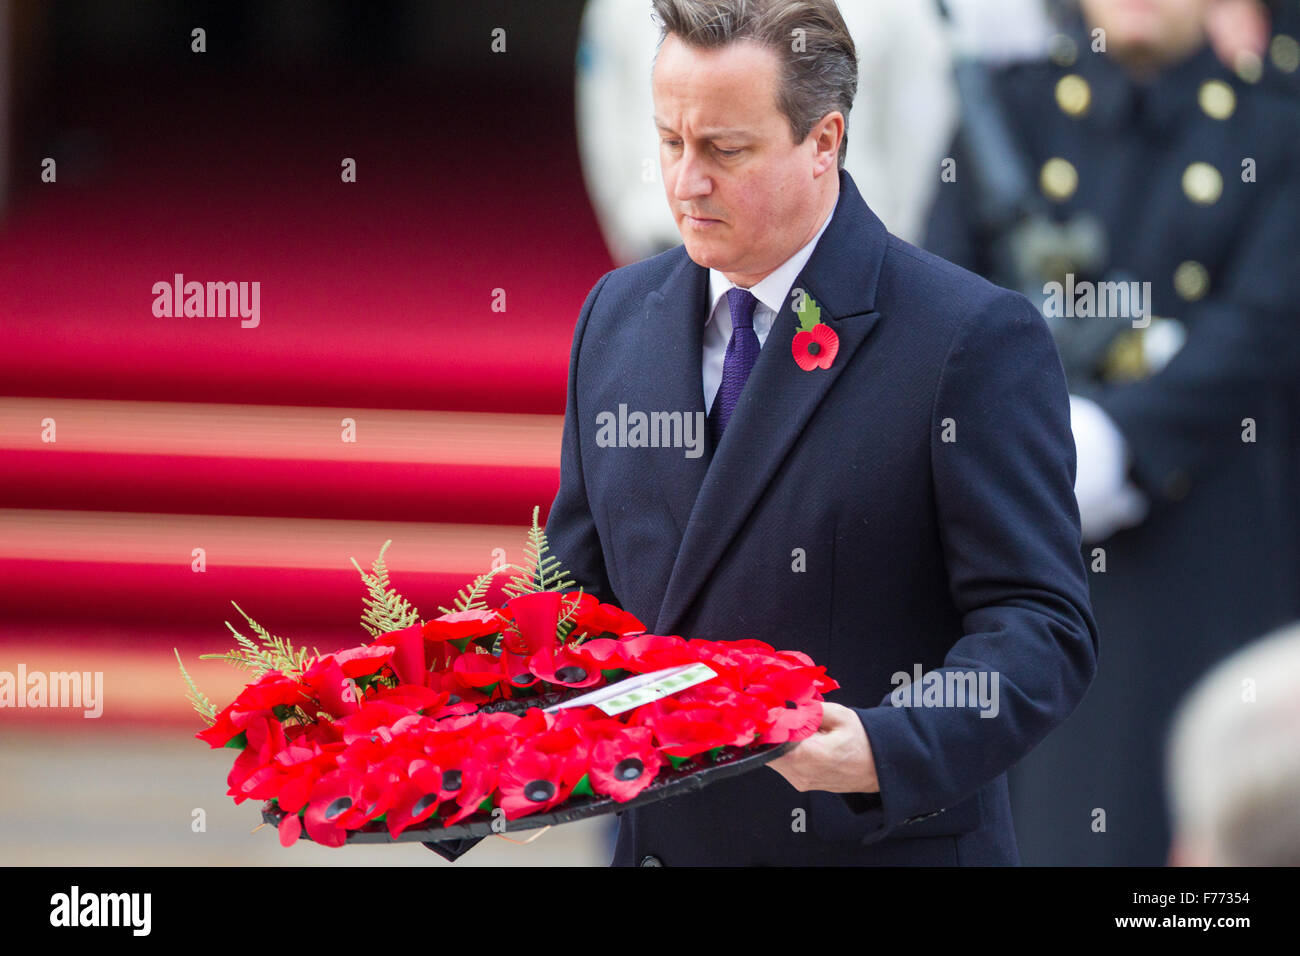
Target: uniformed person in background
x=1132, y=155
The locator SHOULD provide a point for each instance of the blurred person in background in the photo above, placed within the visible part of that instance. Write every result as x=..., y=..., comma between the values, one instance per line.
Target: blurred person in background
x=1131, y=167
x=1234, y=760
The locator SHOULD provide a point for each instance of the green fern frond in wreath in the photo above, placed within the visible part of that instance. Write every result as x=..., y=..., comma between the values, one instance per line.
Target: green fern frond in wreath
x=385, y=609
x=543, y=571
x=470, y=598
x=201, y=704
x=273, y=654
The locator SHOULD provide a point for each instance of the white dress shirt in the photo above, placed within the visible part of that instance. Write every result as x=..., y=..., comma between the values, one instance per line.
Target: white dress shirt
x=771, y=293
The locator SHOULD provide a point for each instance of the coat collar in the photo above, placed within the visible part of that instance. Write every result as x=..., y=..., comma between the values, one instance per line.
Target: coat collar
x=711, y=496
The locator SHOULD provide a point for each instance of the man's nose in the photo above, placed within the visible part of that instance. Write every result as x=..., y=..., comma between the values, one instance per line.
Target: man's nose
x=690, y=177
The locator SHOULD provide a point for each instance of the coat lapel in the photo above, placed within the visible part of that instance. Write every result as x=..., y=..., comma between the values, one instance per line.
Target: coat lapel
x=778, y=399
x=669, y=344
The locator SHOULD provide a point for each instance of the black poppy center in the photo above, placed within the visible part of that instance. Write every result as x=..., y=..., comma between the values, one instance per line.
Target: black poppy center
x=338, y=808
x=814, y=348
x=521, y=679
x=570, y=674
x=454, y=699
x=629, y=769
x=791, y=705
x=539, y=791
x=423, y=804
x=451, y=780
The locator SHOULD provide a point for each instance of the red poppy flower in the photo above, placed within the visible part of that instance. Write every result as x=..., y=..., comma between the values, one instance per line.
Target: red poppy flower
x=374, y=720
x=685, y=729
x=457, y=693
x=419, y=792
x=566, y=667
x=535, y=618
x=408, y=658
x=321, y=734
x=265, y=740
x=290, y=829
x=410, y=696
x=591, y=617
x=589, y=721
x=606, y=653
x=364, y=660
x=795, y=709
x=477, y=726
x=476, y=773
x=463, y=625
x=272, y=689
x=531, y=782
x=569, y=747
x=624, y=764
x=651, y=652
x=229, y=725
x=816, y=348
x=345, y=799
x=299, y=768
x=514, y=667
x=289, y=767
x=330, y=685
x=481, y=671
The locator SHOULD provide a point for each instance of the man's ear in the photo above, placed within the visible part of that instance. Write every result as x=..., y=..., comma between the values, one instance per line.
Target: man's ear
x=828, y=133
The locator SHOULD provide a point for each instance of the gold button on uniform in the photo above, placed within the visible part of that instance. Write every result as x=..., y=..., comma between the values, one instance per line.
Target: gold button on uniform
x=1125, y=359
x=1073, y=95
x=1248, y=66
x=1202, y=183
x=1284, y=51
x=1217, y=99
x=1191, y=280
x=1058, y=179
x=1063, y=50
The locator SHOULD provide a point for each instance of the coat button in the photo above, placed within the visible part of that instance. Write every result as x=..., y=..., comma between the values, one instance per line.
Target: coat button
x=1202, y=183
x=651, y=860
x=1191, y=281
x=1058, y=179
x=1073, y=95
x=1217, y=99
x=1284, y=51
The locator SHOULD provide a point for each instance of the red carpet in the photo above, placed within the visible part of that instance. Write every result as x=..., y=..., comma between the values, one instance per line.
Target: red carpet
x=376, y=305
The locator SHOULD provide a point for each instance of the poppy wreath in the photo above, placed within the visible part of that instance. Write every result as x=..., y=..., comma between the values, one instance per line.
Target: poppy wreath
x=439, y=722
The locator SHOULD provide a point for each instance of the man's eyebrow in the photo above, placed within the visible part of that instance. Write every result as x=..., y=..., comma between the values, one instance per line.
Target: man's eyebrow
x=712, y=132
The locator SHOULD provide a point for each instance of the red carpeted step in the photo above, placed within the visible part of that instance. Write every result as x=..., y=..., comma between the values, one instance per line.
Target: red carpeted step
x=389, y=491
x=120, y=566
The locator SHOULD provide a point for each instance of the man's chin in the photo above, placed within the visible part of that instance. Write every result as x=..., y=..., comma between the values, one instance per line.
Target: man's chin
x=704, y=253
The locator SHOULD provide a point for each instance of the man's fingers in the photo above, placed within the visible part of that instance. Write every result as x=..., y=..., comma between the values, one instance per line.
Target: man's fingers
x=833, y=716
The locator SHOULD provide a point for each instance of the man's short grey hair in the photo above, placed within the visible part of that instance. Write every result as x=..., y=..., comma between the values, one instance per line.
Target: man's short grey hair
x=819, y=64
x=1234, y=758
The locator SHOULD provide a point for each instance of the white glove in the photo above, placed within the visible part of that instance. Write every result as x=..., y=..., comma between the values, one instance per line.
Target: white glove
x=1108, y=501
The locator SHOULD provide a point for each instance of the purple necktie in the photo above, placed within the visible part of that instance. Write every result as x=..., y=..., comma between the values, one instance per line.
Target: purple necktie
x=742, y=353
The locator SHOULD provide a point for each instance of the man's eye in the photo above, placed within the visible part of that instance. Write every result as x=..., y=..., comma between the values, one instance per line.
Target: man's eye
x=729, y=152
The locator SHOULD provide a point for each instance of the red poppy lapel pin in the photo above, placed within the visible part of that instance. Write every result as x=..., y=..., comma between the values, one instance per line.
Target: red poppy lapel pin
x=815, y=345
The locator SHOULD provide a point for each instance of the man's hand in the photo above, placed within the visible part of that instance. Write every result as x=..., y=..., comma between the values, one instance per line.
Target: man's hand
x=837, y=758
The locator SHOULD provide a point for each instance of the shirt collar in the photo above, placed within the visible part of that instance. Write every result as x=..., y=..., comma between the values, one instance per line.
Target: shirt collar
x=773, y=290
